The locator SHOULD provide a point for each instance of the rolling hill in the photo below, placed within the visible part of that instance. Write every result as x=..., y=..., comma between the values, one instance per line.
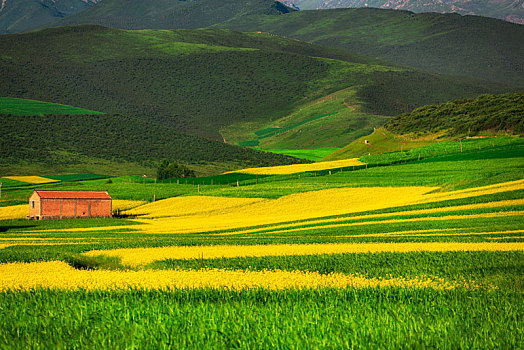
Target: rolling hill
x=471, y=46
x=508, y=10
x=477, y=47
x=169, y=14
x=487, y=115
x=46, y=137
x=203, y=82
x=22, y=15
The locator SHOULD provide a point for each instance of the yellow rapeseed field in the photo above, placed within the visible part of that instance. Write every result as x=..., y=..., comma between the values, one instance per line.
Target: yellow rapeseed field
x=14, y=212
x=181, y=206
x=273, y=230
x=31, y=179
x=300, y=206
x=144, y=256
x=59, y=275
x=300, y=168
x=498, y=204
x=207, y=214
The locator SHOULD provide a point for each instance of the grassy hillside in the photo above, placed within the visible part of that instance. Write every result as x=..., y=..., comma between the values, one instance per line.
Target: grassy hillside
x=62, y=143
x=485, y=114
x=478, y=47
x=203, y=81
x=168, y=14
x=20, y=106
x=327, y=122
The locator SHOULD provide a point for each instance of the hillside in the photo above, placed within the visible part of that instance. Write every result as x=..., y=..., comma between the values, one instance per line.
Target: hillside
x=476, y=47
x=113, y=144
x=23, y=15
x=487, y=115
x=508, y=10
x=169, y=14
x=203, y=81
x=20, y=106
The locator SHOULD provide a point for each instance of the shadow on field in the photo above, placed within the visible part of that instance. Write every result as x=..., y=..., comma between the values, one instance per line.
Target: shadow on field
x=7, y=228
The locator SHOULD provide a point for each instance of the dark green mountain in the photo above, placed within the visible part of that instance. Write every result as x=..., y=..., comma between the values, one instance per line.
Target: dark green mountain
x=508, y=10
x=113, y=144
x=204, y=82
x=477, y=47
x=169, y=14
x=23, y=15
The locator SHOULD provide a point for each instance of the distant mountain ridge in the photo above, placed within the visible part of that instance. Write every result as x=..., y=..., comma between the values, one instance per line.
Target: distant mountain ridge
x=471, y=46
x=508, y=10
x=171, y=14
x=22, y=15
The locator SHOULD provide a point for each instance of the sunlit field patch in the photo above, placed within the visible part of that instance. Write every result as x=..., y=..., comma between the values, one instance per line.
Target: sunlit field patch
x=193, y=205
x=59, y=275
x=144, y=256
x=31, y=179
x=299, y=168
x=14, y=212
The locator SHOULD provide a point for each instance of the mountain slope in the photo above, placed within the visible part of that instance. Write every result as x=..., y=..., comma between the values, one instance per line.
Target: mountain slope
x=60, y=142
x=486, y=115
x=202, y=81
x=477, y=47
x=168, y=14
x=508, y=10
x=23, y=15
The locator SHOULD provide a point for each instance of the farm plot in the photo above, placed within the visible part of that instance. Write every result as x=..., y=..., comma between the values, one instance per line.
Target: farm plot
x=331, y=261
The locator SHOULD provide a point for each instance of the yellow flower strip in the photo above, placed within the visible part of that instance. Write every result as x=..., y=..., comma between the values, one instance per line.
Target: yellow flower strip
x=422, y=233
x=374, y=216
x=393, y=221
x=59, y=275
x=192, y=205
x=299, y=168
x=2, y=246
x=31, y=179
x=143, y=256
x=476, y=191
x=14, y=212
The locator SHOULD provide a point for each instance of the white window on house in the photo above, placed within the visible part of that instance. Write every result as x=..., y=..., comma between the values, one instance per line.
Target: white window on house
x=32, y=204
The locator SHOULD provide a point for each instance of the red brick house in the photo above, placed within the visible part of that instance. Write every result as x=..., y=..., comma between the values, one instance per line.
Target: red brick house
x=69, y=204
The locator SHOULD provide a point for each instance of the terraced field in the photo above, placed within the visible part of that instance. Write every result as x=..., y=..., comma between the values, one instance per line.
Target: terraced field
x=426, y=251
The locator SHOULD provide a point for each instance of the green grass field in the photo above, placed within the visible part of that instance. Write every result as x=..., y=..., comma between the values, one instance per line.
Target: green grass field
x=20, y=106
x=482, y=310
x=309, y=154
